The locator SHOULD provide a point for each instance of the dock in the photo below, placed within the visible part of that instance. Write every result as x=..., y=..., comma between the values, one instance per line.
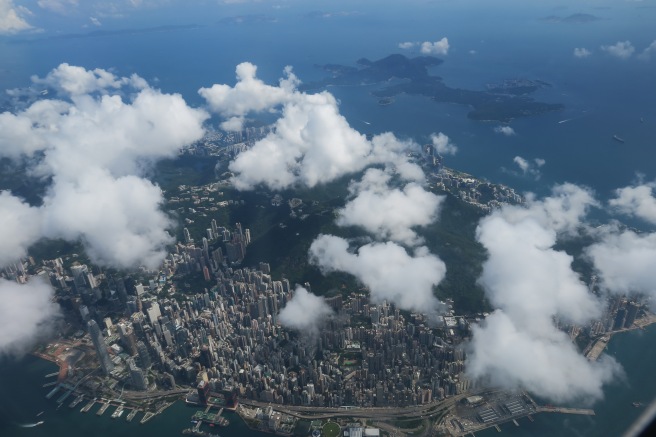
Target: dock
x=563, y=410
x=103, y=409
x=146, y=417
x=131, y=415
x=497, y=428
x=63, y=397
x=52, y=392
x=515, y=422
x=76, y=401
x=49, y=384
x=119, y=410
x=88, y=406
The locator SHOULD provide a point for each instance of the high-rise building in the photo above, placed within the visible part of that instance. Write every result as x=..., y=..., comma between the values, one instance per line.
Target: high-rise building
x=137, y=375
x=101, y=347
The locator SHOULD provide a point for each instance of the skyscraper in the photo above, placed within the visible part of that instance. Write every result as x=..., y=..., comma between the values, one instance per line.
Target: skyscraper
x=101, y=347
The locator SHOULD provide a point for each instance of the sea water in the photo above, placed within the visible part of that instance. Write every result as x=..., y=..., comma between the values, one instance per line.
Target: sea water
x=603, y=96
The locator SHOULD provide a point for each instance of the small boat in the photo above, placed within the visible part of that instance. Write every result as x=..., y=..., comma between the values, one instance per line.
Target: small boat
x=618, y=139
x=39, y=413
x=637, y=404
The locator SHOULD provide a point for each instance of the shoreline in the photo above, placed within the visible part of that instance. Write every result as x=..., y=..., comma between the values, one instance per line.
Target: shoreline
x=597, y=347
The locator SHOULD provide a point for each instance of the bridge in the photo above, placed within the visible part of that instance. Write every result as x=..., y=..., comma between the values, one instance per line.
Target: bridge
x=564, y=410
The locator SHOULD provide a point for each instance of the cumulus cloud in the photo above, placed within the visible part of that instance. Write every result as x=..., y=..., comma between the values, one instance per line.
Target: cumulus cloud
x=386, y=269
x=440, y=47
x=529, y=169
x=443, y=145
x=20, y=226
x=530, y=283
x=11, y=17
x=407, y=45
x=621, y=49
x=119, y=220
x=73, y=80
x=304, y=312
x=250, y=94
x=582, y=52
x=505, y=355
x=311, y=142
x=94, y=146
x=505, y=130
x=625, y=262
x=27, y=313
x=562, y=212
x=96, y=22
x=647, y=52
x=389, y=213
x=637, y=201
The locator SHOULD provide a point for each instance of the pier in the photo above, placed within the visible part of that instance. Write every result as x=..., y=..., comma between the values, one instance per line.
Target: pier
x=564, y=410
x=50, y=375
x=63, y=397
x=119, y=410
x=88, y=406
x=146, y=417
x=76, y=401
x=52, y=392
x=103, y=409
x=131, y=415
x=49, y=384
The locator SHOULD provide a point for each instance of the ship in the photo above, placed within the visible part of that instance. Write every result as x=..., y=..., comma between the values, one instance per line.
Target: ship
x=637, y=404
x=618, y=139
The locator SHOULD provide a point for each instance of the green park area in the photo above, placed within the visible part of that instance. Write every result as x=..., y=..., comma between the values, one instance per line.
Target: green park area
x=330, y=429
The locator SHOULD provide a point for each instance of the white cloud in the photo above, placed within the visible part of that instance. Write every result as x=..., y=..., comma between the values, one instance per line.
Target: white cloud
x=647, y=52
x=505, y=130
x=625, y=262
x=95, y=21
x=304, y=312
x=637, y=201
x=389, y=213
x=311, y=143
x=531, y=283
x=407, y=45
x=582, y=52
x=250, y=94
x=506, y=355
x=530, y=169
x=72, y=80
x=443, y=145
x=95, y=149
x=27, y=313
x=386, y=269
x=621, y=49
x=440, y=47
x=561, y=212
x=20, y=227
x=11, y=20
x=119, y=220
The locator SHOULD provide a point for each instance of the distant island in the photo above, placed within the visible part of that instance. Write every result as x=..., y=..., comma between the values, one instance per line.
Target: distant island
x=498, y=102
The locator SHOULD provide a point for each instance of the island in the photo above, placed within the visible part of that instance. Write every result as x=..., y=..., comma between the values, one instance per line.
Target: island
x=402, y=75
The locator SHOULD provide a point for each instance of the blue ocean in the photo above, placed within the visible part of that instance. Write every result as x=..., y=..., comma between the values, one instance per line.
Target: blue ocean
x=183, y=49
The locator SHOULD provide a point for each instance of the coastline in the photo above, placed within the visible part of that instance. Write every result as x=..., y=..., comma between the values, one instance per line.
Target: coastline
x=597, y=347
